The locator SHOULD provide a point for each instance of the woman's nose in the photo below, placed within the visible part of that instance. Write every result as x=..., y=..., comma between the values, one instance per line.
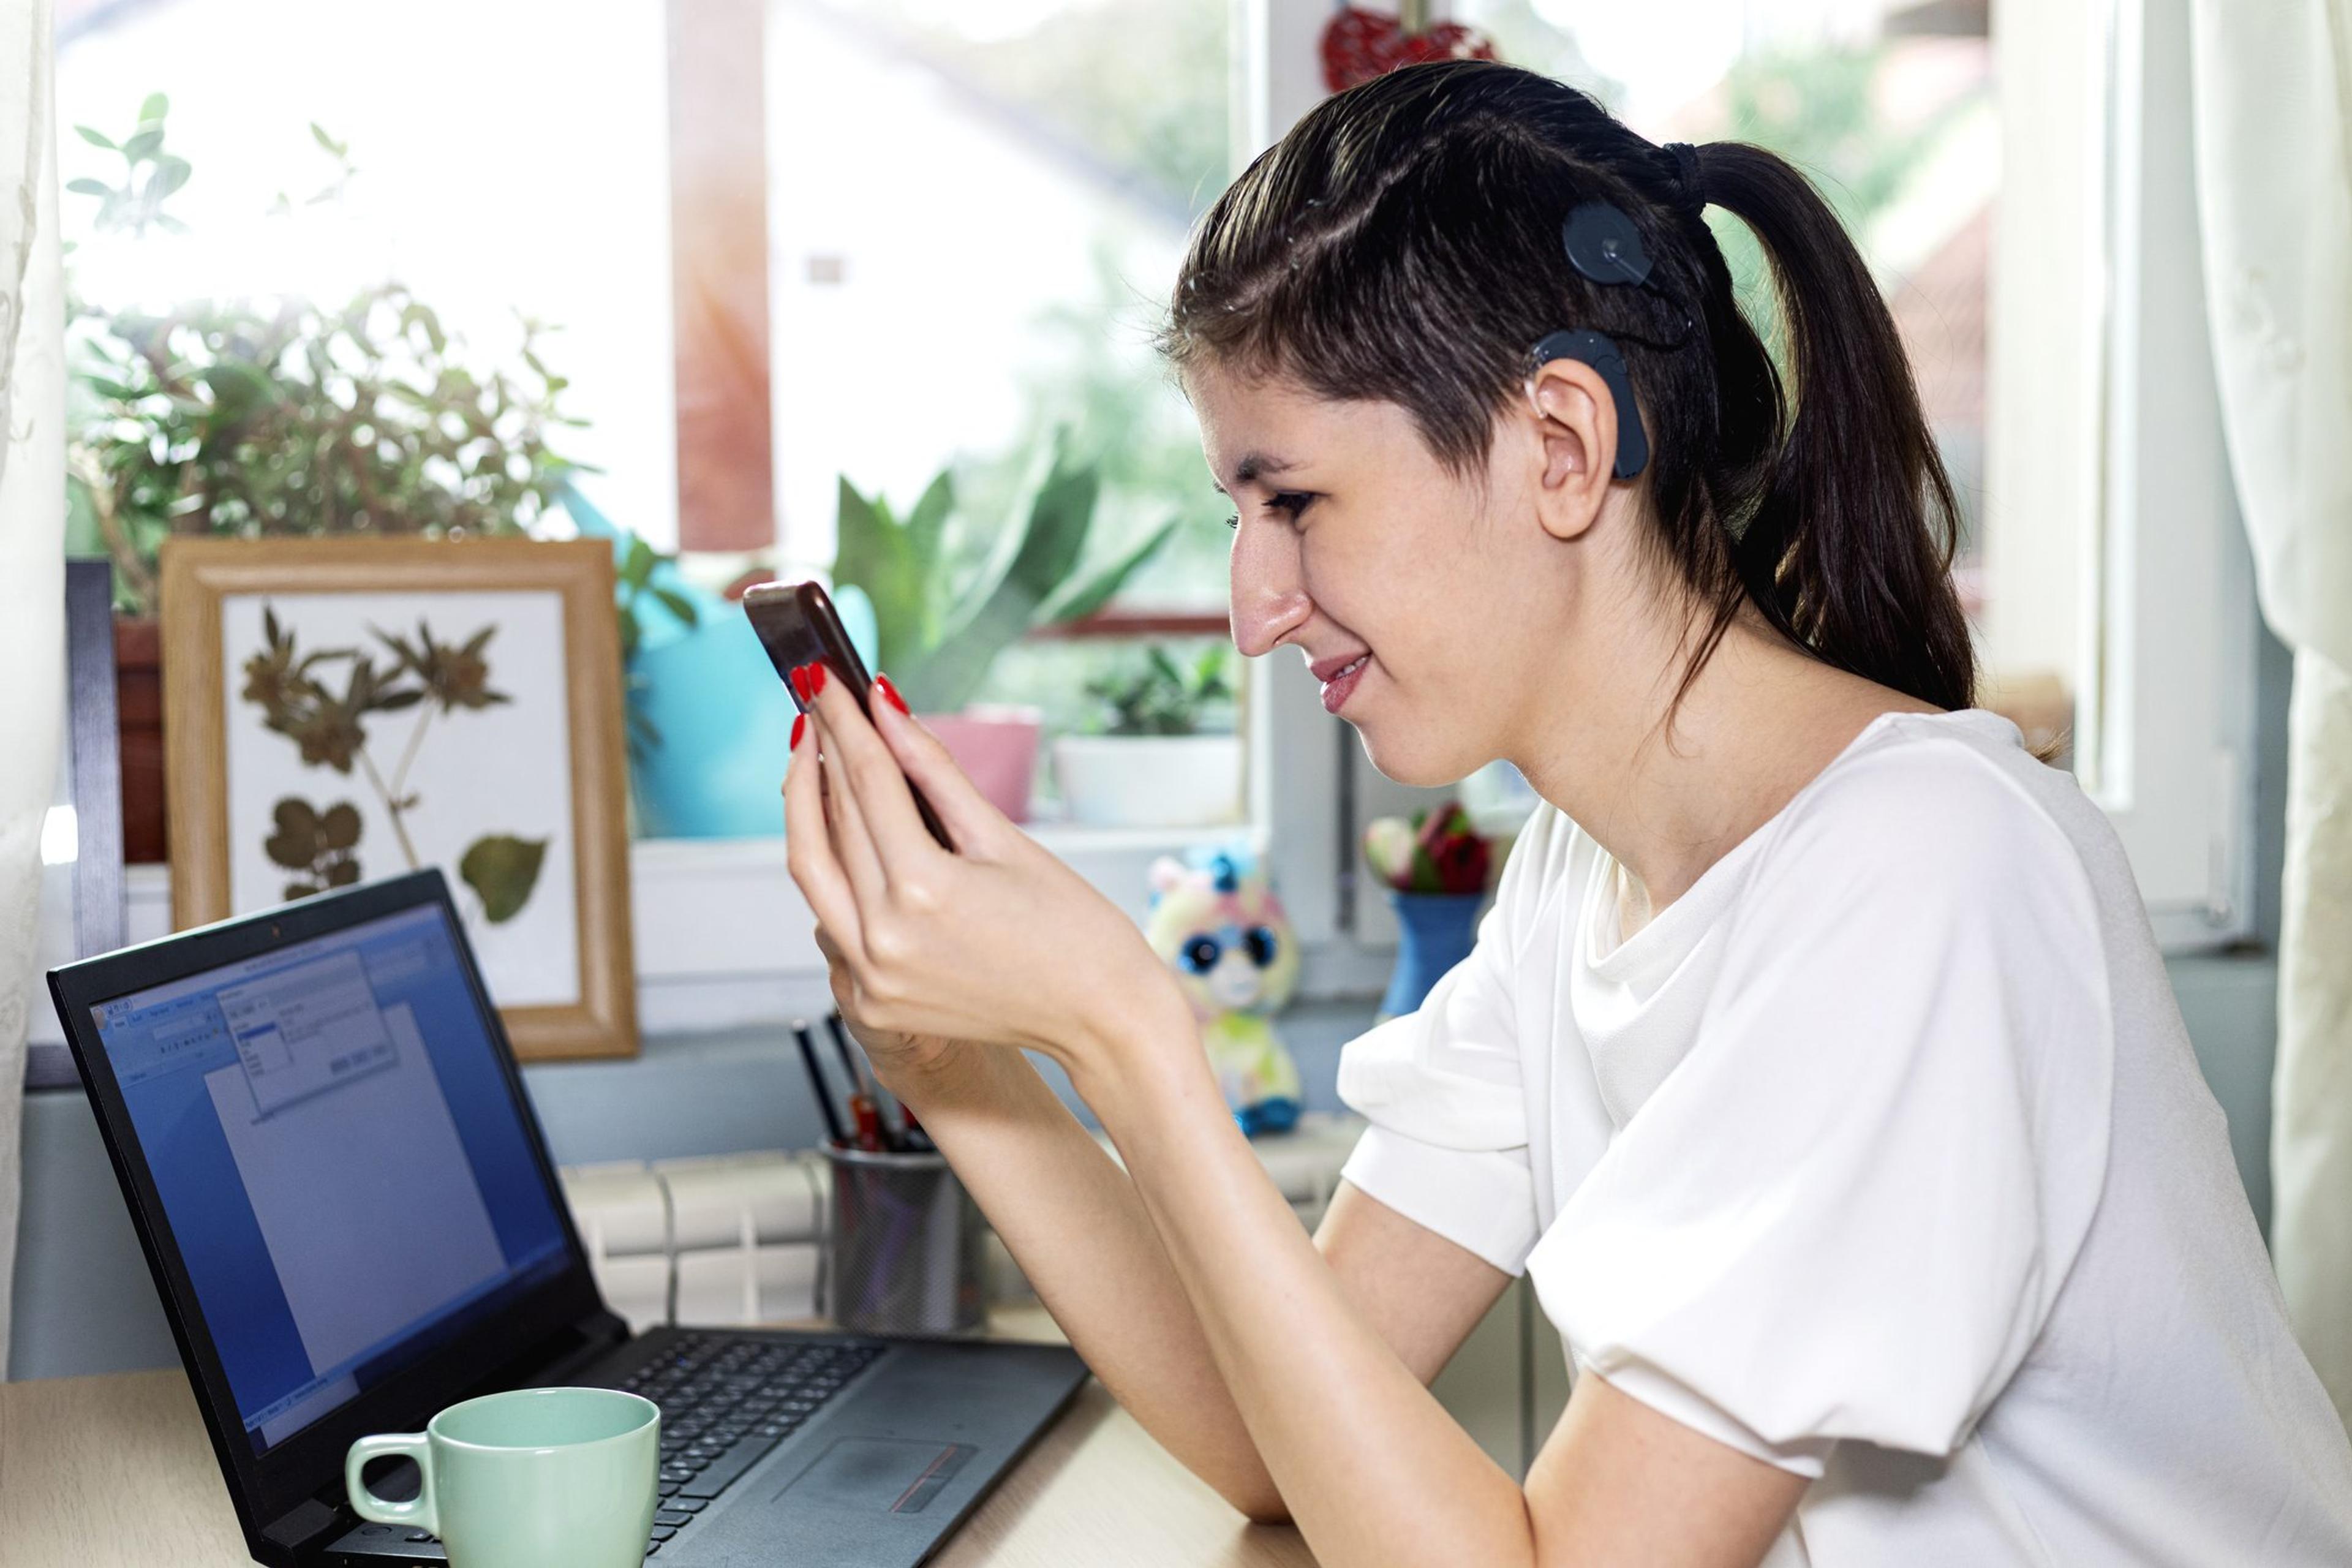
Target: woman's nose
x=1268, y=599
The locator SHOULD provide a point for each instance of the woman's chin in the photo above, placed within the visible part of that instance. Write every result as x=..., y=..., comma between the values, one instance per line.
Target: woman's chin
x=1417, y=767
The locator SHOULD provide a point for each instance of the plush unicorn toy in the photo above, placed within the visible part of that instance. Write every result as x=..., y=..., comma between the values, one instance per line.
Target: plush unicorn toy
x=1218, y=924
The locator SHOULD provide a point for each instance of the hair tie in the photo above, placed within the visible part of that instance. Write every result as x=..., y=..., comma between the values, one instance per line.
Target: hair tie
x=1686, y=174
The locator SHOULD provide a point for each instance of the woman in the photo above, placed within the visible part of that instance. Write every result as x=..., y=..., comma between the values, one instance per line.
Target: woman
x=1816, y=1057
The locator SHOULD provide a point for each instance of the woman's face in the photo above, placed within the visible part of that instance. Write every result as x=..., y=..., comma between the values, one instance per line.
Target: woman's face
x=1357, y=546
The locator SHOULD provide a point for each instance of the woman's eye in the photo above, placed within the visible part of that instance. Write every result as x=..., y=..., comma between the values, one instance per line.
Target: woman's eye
x=1290, y=503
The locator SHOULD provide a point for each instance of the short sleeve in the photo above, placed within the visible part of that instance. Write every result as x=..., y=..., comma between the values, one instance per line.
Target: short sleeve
x=1442, y=1087
x=1847, y=1213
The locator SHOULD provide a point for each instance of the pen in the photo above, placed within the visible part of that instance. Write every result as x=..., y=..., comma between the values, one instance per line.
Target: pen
x=816, y=1082
x=918, y=1141
x=862, y=1105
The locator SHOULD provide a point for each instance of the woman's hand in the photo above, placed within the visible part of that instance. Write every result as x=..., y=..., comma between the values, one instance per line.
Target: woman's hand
x=998, y=942
x=900, y=1060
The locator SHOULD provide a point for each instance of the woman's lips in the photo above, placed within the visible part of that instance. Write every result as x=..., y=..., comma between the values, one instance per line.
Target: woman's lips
x=1336, y=690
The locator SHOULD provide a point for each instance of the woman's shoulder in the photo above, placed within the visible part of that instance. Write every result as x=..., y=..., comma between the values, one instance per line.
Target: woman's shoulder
x=1950, y=801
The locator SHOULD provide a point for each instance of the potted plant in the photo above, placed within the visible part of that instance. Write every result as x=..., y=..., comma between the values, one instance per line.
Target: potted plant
x=1435, y=869
x=709, y=721
x=272, y=418
x=938, y=629
x=1148, y=763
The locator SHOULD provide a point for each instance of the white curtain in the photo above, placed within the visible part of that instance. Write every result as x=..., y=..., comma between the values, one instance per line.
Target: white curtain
x=2274, y=132
x=32, y=550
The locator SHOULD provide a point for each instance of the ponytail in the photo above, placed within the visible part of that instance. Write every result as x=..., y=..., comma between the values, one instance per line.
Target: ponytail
x=1849, y=548
x=1403, y=243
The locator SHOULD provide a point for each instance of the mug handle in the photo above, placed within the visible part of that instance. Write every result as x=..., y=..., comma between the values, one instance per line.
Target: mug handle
x=419, y=1512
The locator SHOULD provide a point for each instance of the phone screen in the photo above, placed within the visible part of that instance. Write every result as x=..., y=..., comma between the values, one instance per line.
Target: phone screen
x=797, y=624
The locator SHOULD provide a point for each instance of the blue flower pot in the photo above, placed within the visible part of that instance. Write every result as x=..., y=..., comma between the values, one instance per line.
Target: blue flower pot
x=709, y=690
x=1434, y=933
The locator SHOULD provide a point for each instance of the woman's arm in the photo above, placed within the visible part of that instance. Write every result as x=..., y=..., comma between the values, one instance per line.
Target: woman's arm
x=999, y=943
x=1372, y=1467
x=1073, y=1221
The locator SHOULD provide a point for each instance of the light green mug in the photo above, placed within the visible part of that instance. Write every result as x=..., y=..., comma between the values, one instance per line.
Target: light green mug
x=533, y=1477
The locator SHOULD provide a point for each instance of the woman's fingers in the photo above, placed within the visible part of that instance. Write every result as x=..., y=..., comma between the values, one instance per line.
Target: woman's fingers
x=867, y=768
x=853, y=840
x=970, y=817
x=808, y=846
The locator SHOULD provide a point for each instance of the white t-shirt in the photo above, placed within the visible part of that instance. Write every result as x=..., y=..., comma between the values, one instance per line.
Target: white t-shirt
x=1880, y=1154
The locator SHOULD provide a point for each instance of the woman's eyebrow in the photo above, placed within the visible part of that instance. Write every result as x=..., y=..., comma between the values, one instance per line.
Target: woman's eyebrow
x=1254, y=466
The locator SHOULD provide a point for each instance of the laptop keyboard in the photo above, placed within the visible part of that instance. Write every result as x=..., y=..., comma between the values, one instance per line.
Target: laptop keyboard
x=725, y=1402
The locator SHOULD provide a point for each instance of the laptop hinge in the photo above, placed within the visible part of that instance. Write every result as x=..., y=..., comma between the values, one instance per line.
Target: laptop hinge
x=560, y=1355
x=302, y=1527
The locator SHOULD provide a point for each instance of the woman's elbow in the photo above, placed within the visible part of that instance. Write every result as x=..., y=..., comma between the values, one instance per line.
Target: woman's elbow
x=1258, y=1507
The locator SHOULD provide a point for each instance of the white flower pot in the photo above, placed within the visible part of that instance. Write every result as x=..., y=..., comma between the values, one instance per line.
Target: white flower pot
x=1149, y=780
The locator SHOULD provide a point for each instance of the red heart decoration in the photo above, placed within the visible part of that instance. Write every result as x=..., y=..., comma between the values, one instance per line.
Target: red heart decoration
x=1360, y=45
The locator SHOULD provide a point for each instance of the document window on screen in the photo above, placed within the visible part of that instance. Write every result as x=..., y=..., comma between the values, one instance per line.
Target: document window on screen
x=362, y=1191
x=330, y=1131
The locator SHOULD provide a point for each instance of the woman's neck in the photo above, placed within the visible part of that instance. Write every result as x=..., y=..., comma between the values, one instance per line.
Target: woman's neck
x=1759, y=721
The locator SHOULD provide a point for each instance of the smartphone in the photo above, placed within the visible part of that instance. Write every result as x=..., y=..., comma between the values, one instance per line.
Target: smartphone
x=797, y=624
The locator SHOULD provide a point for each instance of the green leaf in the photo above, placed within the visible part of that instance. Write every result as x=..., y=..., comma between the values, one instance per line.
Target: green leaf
x=929, y=519
x=319, y=134
x=170, y=175
x=143, y=144
x=155, y=108
x=873, y=552
x=678, y=605
x=86, y=186
x=95, y=138
x=1042, y=554
x=502, y=870
x=1104, y=585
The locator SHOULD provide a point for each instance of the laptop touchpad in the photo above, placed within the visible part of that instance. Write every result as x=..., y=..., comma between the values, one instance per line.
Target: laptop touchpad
x=890, y=1474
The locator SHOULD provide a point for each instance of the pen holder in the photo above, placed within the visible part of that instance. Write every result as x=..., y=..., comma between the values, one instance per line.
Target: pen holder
x=904, y=1245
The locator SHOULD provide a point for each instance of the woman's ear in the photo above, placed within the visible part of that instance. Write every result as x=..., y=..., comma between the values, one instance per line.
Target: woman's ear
x=1576, y=425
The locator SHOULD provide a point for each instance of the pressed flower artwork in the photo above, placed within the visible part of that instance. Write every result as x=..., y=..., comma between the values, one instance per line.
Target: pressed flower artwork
x=419, y=676
x=375, y=734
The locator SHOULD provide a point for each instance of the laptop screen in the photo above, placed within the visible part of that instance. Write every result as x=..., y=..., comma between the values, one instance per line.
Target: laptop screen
x=343, y=1168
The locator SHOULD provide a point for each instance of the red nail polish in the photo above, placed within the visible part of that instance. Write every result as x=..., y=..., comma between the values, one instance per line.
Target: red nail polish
x=890, y=690
x=816, y=678
x=800, y=722
x=799, y=678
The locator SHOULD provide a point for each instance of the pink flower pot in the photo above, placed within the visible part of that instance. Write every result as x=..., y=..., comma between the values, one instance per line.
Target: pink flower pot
x=997, y=746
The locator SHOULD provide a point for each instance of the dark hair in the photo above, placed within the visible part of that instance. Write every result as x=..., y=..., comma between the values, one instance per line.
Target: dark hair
x=1402, y=242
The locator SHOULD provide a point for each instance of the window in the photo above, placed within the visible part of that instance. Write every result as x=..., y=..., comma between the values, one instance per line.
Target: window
x=2101, y=560
x=981, y=258
x=1891, y=107
x=2117, y=569
x=482, y=180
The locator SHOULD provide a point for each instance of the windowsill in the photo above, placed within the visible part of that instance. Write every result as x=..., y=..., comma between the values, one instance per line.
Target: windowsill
x=724, y=940
x=1072, y=841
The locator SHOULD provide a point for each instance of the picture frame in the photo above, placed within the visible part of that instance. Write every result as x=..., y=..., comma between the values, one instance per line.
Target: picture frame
x=341, y=708
x=89, y=882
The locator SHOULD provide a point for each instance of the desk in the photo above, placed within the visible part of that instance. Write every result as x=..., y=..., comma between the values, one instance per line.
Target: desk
x=115, y=1472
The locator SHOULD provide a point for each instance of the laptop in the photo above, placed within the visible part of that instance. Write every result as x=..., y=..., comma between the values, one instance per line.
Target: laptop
x=352, y=1220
